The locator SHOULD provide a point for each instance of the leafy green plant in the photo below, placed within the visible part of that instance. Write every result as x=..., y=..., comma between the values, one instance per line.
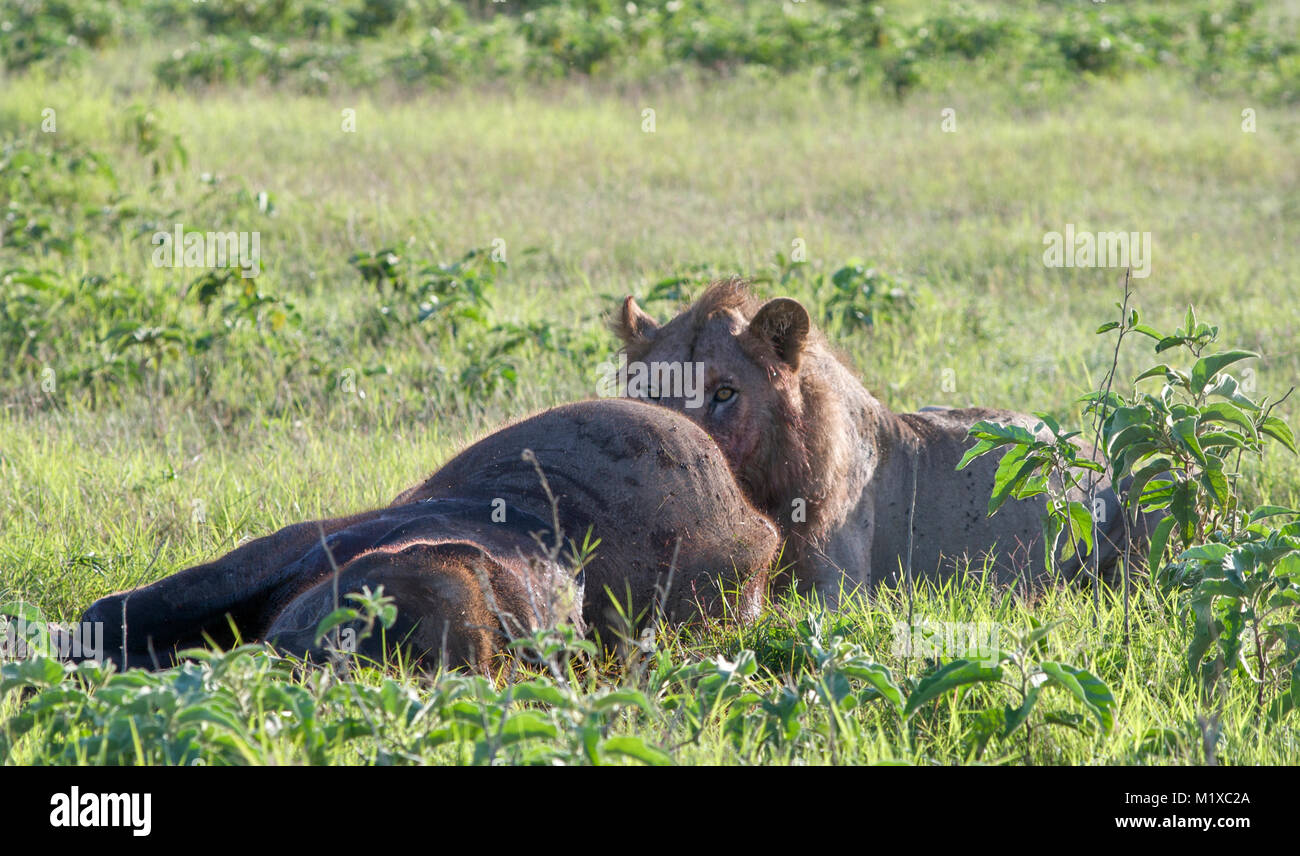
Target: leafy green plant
x=447, y=294
x=1028, y=675
x=315, y=46
x=371, y=608
x=54, y=31
x=1241, y=596
x=45, y=188
x=842, y=678
x=249, y=305
x=1234, y=567
x=147, y=347
x=1033, y=467
x=381, y=268
x=1176, y=452
x=1184, y=443
x=857, y=296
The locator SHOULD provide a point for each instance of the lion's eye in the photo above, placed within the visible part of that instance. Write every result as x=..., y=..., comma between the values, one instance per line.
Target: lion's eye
x=724, y=393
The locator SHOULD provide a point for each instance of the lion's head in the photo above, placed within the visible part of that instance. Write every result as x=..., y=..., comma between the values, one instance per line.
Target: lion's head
x=767, y=394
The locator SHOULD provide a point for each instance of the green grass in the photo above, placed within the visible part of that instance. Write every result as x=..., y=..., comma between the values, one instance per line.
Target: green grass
x=404, y=717
x=115, y=483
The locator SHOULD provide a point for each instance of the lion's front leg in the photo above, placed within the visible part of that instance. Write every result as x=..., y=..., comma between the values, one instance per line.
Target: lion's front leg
x=843, y=565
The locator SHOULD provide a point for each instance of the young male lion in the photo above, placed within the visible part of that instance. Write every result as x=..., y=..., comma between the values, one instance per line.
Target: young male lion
x=468, y=554
x=832, y=465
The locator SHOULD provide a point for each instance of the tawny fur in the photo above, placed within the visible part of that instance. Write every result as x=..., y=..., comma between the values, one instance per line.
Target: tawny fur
x=831, y=464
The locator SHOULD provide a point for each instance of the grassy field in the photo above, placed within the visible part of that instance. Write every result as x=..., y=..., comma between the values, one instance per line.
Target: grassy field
x=121, y=463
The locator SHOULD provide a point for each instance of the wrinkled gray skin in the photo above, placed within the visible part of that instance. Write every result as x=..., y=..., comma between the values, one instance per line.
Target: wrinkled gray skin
x=650, y=485
x=805, y=438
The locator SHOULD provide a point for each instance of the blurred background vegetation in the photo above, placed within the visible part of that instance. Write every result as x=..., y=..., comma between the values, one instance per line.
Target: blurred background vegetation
x=322, y=46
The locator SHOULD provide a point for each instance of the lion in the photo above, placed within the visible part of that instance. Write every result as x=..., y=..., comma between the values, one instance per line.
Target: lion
x=840, y=473
x=471, y=554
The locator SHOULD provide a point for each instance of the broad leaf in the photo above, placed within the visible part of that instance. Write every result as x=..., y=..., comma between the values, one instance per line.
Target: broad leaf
x=1207, y=367
x=956, y=674
x=1087, y=688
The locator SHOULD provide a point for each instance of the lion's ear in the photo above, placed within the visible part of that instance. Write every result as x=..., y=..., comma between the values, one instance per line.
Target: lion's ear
x=632, y=325
x=784, y=324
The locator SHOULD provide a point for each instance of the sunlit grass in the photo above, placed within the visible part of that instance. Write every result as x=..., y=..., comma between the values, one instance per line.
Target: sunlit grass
x=94, y=500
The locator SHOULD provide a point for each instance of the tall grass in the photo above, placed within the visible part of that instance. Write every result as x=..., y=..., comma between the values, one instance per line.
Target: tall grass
x=108, y=486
